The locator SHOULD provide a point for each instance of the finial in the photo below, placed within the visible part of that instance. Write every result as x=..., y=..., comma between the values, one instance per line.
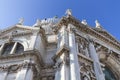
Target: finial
x=84, y=22
x=68, y=12
x=21, y=20
x=38, y=23
x=97, y=24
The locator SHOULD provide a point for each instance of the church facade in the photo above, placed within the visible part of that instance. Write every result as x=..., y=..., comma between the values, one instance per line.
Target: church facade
x=58, y=49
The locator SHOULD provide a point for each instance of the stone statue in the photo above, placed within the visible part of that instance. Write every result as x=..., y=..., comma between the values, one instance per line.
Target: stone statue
x=68, y=12
x=97, y=24
x=10, y=38
x=84, y=22
x=38, y=23
x=21, y=20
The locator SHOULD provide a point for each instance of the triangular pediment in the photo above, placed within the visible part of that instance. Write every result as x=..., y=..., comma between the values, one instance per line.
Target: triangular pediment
x=16, y=29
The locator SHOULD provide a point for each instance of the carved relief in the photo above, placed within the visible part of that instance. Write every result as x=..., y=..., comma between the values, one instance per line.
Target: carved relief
x=87, y=72
x=82, y=46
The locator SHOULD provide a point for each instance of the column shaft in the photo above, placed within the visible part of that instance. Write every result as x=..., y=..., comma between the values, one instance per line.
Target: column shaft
x=21, y=74
x=29, y=75
x=3, y=75
x=14, y=48
x=74, y=66
x=63, y=74
x=1, y=49
x=98, y=71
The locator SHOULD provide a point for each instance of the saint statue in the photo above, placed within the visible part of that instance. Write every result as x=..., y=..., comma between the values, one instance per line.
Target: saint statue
x=68, y=12
x=38, y=23
x=21, y=20
x=84, y=22
x=97, y=24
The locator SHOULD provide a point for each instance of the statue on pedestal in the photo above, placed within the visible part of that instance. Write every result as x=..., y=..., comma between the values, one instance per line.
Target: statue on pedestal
x=84, y=22
x=21, y=20
x=68, y=12
x=98, y=24
x=38, y=23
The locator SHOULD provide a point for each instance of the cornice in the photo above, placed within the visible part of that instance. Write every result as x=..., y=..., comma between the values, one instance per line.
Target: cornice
x=86, y=29
x=30, y=53
x=17, y=35
x=60, y=51
x=85, y=59
x=18, y=27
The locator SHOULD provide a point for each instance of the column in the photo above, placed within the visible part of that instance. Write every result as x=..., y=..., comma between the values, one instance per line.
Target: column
x=33, y=40
x=3, y=75
x=57, y=75
x=29, y=74
x=63, y=70
x=97, y=68
x=1, y=49
x=74, y=66
x=14, y=48
x=21, y=74
x=63, y=73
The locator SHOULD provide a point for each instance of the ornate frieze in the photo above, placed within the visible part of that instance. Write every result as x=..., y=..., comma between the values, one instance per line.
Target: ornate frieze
x=87, y=72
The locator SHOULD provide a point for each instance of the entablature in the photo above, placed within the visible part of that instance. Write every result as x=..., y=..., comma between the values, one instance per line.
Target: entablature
x=87, y=31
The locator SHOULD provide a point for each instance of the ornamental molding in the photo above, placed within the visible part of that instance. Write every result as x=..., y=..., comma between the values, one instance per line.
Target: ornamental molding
x=87, y=30
x=61, y=50
x=23, y=29
x=16, y=35
x=85, y=59
x=31, y=53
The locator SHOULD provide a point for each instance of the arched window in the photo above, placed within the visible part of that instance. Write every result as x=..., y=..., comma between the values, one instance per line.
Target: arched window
x=7, y=48
x=109, y=74
x=19, y=48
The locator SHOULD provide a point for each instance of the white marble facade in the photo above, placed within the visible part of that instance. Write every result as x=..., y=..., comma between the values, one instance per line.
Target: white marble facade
x=58, y=49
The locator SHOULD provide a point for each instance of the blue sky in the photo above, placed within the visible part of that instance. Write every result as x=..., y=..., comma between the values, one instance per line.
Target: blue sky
x=107, y=12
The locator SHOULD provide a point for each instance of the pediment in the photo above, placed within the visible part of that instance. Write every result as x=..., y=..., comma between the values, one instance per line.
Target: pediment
x=16, y=29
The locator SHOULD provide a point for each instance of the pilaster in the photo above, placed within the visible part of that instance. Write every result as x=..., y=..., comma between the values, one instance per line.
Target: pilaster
x=1, y=49
x=96, y=63
x=3, y=75
x=33, y=40
x=62, y=56
x=14, y=48
x=74, y=66
x=29, y=74
x=21, y=74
